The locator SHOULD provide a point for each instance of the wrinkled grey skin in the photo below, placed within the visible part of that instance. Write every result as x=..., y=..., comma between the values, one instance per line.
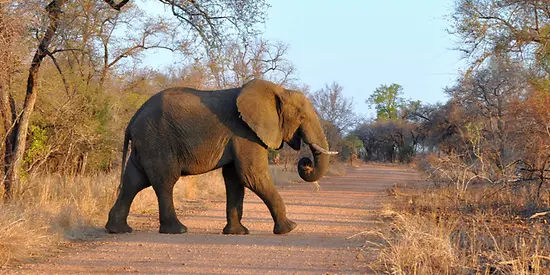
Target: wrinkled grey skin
x=182, y=131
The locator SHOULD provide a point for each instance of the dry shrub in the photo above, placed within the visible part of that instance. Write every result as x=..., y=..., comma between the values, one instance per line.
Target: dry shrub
x=206, y=187
x=282, y=176
x=486, y=230
x=415, y=245
x=209, y=186
x=24, y=233
x=336, y=168
x=49, y=209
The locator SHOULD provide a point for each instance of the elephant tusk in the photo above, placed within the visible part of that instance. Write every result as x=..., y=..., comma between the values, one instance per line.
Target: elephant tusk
x=321, y=150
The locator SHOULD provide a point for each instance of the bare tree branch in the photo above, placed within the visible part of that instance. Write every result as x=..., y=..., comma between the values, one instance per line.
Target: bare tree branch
x=116, y=6
x=65, y=83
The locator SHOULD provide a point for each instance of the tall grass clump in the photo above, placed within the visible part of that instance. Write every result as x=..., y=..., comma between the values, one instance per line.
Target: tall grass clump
x=414, y=246
x=284, y=176
x=336, y=168
x=47, y=210
x=466, y=226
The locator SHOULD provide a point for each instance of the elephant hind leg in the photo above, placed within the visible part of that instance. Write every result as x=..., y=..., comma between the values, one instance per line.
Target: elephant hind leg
x=234, y=190
x=134, y=180
x=163, y=181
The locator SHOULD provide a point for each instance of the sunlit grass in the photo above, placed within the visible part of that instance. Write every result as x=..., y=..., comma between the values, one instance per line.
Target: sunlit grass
x=487, y=230
x=48, y=210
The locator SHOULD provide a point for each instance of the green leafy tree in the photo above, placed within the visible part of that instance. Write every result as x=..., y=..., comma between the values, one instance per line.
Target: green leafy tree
x=388, y=101
x=351, y=144
x=87, y=48
x=38, y=149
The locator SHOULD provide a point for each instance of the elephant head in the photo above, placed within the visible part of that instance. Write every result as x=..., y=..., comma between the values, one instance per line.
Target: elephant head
x=279, y=115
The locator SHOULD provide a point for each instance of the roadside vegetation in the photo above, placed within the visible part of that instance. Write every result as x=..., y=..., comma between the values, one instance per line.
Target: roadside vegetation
x=484, y=207
x=433, y=228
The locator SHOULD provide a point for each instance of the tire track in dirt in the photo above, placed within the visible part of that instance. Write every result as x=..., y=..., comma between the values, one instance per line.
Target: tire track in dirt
x=345, y=206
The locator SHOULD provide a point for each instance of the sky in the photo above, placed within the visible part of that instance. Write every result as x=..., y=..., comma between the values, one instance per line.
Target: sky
x=362, y=44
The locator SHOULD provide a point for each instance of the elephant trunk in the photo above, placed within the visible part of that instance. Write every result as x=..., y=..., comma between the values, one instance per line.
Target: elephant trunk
x=313, y=171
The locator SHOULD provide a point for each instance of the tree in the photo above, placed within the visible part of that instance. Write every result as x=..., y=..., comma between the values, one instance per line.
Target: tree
x=213, y=21
x=388, y=140
x=11, y=51
x=436, y=126
x=491, y=27
x=334, y=107
x=87, y=54
x=387, y=101
x=533, y=136
x=396, y=134
x=351, y=145
x=486, y=95
x=243, y=61
x=54, y=9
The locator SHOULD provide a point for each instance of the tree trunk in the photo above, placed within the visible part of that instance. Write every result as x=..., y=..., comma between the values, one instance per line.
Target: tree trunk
x=7, y=104
x=9, y=118
x=20, y=134
x=83, y=163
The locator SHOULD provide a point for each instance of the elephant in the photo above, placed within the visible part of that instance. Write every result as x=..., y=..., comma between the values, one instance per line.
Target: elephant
x=183, y=131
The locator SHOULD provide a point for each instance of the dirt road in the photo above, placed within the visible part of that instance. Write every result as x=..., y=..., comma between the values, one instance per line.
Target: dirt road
x=345, y=206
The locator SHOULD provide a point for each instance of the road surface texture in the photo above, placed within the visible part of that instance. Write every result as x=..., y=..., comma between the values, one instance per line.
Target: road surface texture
x=346, y=205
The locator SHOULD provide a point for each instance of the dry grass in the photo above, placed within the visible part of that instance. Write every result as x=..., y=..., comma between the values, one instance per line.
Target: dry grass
x=209, y=186
x=415, y=246
x=282, y=176
x=485, y=230
x=336, y=168
x=285, y=177
x=49, y=210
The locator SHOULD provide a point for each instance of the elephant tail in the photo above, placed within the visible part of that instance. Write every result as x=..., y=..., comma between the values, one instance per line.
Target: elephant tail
x=127, y=139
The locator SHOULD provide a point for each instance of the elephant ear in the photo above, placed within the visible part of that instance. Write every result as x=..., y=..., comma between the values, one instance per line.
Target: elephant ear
x=260, y=107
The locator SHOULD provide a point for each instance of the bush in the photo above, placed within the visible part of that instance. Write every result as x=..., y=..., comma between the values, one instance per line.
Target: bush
x=49, y=209
x=207, y=186
x=282, y=176
x=336, y=168
x=486, y=230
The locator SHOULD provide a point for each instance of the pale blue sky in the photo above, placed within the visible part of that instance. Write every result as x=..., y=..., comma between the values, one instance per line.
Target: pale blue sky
x=362, y=44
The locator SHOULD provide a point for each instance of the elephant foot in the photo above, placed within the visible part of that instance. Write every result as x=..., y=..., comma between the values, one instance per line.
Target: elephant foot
x=118, y=228
x=284, y=227
x=173, y=228
x=237, y=229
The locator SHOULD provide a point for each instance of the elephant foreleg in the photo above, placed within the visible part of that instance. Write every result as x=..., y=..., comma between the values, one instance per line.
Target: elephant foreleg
x=255, y=175
x=234, y=190
x=270, y=196
x=133, y=181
